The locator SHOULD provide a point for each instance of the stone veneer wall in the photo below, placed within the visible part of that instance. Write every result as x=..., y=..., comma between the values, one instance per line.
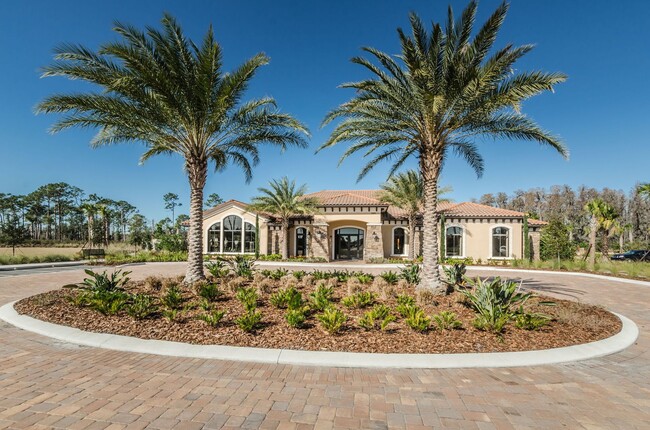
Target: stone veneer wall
x=318, y=246
x=374, y=245
x=535, y=239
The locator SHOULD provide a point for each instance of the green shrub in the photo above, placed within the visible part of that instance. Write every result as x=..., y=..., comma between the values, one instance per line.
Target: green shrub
x=322, y=297
x=379, y=314
x=108, y=302
x=80, y=299
x=217, y=268
x=171, y=314
x=173, y=298
x=142, y=306
x=405, y=299
x=295, y=317
x=270, y=257
x=494, y=323
x=299, y=274
x=455, y=274
x=359, y=300
x=407, y=310
x=447, y=320
x=248, y=297
x=278, y=274
x=212, y=318
x=332, y=320
x=287, y=298
x=365, y=278
x=206, y=304
x=103, y=281
x=531, y=321
x=418, y=321
x=242, y=266
x=411, y=273
x=320, y=275
x=250, y=321
x=390, y=277
x=209, y=291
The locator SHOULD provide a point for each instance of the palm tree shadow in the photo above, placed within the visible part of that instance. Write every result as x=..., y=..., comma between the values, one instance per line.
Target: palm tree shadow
x=545, y=287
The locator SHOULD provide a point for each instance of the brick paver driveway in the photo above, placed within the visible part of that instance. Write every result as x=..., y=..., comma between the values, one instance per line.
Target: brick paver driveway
x=49, y=384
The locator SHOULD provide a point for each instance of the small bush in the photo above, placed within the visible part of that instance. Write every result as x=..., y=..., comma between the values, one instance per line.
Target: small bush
x=213, y=318
x=171, y=314
x=217, y=268
x=173, y=298
x=365, y=278
x=455, y=274
x=209, y=291
x=531, y=321
x=250, y=321
x=141, y=306
x=108, y=302
x=332, y=320
x=390, y=277
x=299, y=274
x=495, y=323
x=411, y=273
x=103, y=281
x=287, y=298
x=248, y=297
x=278, y=274
x=242, y=266
x=80, y=299
x=359, y=300
x=295, y=317
x=447, y=320
x=379, y=314
x=418, y=321
x=405, y=299
x=322, y=297
x=407, y=310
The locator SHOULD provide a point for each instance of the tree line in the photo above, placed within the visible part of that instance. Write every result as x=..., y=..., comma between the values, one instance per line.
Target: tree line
x=622, y=220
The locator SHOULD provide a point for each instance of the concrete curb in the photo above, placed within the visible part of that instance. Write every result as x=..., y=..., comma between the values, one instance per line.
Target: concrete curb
x=12, y=267
x=626, y=337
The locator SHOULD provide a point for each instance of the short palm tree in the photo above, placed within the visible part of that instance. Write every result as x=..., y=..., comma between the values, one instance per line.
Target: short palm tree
x=443, y=92
x=284, y=200
x=603, y=217
x=161, y=89
x=644, y=190
x=404, y=190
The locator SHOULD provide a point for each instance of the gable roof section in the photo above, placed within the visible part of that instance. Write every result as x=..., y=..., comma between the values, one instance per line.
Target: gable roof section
x=228, y=204
x=347, y=198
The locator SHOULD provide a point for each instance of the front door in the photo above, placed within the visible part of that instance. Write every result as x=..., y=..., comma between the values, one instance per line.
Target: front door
x=348, y=244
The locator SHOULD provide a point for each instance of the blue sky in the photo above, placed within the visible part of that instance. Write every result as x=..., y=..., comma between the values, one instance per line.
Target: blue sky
x=601, y=112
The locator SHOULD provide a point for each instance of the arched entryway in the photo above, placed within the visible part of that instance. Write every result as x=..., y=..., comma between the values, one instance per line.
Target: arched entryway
x=348, y=243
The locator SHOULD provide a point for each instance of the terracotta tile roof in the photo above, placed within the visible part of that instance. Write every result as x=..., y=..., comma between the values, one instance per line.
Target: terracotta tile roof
x=217, y=208
x=477, y=210
x=347, y=197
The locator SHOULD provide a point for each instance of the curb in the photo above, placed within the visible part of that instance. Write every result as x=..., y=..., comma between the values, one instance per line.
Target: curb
x=28, y=266
x=620, y=341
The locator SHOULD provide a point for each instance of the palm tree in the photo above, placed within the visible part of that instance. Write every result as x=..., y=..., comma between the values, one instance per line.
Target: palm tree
x=89, y=209
x=644, y=190
x=284, y=200
x=442, y=93
x=161, y=89
x=603, y=217
x=405, y=190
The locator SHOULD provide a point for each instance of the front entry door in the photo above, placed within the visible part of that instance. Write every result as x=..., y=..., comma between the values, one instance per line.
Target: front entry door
x=348, y=244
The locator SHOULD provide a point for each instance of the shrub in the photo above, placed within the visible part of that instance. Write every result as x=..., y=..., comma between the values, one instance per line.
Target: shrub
x=80, y=299
x=494, y=323
x=173, y=298
x=249, y=321
x=171, y=314
x=455, y=274
x=447, y=320
x=411, y=273
x=365, y=278
x=213, y=318
x=141, y=306
x=248, y=297
x=242, y=266
x=287, y=298
x=278, y=274
x=209, y=291
x=379, y=314
x=299, y=274
x=405, y=299
x=322, y=297
x=531, y=321
x=295, y=317
x=418, y=321
x=407, y=309
x=103, y=281
x=205, y=304
x=390, y=277
x=217, y=268
x=270, y=257
x=332, y=320
x=319, y=275
x=359, y=300
x=108, y=302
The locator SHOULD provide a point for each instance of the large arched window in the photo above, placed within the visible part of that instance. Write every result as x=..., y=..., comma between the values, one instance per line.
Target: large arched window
x=500, y=242
x=454, y=242
x=399, y=240
x=214, y=238
x=232, y=234
x=249, y=237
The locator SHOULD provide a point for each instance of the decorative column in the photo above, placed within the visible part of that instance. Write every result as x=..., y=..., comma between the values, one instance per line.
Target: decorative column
x=374, y=244
x=535, y=236
x=319, y=244
x=417, y=242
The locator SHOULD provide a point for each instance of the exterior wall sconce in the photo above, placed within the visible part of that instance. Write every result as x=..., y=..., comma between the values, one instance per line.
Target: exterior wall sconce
x=375, y=236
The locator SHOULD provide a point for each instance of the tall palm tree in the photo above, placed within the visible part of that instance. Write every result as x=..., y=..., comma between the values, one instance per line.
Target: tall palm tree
x=161, y=89
x=405, y=191
x=442, y=93
x=644, y=190
x=603, y=217
x=284, y=200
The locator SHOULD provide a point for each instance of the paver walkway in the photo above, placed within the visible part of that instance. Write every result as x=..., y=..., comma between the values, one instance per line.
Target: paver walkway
x=49, y=384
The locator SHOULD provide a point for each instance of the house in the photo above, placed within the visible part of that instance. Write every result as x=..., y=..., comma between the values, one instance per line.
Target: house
x=356, y=225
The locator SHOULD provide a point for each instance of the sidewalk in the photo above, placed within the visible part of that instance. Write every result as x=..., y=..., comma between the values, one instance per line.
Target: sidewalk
x=28, y=266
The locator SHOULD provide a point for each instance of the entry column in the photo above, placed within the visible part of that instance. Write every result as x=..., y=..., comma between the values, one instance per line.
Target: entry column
x=319, y=244
x=374, y=243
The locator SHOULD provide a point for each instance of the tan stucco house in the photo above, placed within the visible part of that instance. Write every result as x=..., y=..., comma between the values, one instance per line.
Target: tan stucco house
x=356, y=225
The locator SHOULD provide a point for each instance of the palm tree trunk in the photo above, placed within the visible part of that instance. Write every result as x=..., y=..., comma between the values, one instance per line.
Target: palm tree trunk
x=430, y=278
x=197, y=173
x=593, y=227
x=285, y=239
x=412, y=237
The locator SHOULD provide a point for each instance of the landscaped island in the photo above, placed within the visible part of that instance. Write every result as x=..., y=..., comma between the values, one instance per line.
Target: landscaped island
x=323, y=311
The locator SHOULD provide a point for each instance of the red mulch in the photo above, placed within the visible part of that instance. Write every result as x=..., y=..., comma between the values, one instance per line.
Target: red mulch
x=573, y=323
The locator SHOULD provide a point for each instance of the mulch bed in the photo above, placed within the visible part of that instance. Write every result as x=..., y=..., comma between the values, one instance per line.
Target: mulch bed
x=573, y=323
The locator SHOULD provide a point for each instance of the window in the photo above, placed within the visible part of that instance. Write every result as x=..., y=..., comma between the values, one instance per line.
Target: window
x=249, y=237
x=301, y=242
x=454, y=242
x=214, y=238
x=232, y=234
x=399, y=240
x=500, y=242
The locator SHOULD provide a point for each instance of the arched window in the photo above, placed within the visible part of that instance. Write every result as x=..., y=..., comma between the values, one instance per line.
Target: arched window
x=500, y=242
x=232, y=234
x=301, y=242
x=454, y=242
x=249, y=237
x=399, y=240
x=214, y=238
